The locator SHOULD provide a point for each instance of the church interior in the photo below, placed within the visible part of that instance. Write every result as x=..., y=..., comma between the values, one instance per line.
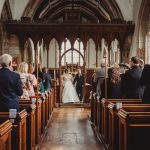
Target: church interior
x=73, y=40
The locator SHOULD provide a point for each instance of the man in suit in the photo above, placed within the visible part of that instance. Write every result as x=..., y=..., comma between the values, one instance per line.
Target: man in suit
x=99, y=77
x=79, y=81
x=10, y=85
x=145, y=81
x=133, y=88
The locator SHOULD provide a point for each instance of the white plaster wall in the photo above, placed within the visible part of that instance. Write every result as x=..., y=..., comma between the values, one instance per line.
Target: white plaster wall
x=135, y=39
x=20, y=6
x=1, y=5
x=126, y=6
x=12, y=6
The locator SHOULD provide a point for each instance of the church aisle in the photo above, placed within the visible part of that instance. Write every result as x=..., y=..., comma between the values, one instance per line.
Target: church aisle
x=70, y=130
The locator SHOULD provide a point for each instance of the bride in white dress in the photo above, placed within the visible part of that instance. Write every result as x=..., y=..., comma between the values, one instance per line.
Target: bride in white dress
x=69, y=93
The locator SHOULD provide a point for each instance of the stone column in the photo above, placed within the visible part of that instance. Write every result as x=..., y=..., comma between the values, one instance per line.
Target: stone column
x=21, y=48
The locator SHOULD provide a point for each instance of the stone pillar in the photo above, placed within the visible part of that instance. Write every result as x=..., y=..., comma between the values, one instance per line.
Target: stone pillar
x=109, y=58
x=84, y=89
x=21, y=48
x=60, y=82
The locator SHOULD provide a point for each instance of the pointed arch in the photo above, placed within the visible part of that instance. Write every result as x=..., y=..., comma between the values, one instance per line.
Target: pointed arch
x=53, y=53
x=29, y=52
x=91, y=53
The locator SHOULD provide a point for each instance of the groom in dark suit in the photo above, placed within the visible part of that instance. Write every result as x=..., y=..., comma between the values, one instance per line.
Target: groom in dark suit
x=79, y=81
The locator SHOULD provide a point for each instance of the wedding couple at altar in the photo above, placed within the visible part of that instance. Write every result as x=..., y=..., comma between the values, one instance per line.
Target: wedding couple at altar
x=72, y=87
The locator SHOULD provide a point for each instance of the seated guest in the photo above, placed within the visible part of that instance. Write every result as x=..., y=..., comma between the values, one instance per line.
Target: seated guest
x=113, y=84
x=46, y=79
x=10, y=85
x=32, y=80
x=25, y=79
x=133, y=89
x=123, y=69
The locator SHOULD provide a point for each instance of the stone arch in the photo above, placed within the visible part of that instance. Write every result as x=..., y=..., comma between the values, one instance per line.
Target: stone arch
x=144, y=29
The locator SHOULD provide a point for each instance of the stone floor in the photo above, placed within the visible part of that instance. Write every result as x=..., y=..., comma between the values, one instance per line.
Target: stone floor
x=70, y=130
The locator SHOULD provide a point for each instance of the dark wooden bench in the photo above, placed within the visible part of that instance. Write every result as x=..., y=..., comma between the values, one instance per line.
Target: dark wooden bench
x=18, y=130
x=5, y=135
x=114, y=124
x=93, y=108
x=47, y=112
x=105, y=115
x=43, y=113
x=134, y=127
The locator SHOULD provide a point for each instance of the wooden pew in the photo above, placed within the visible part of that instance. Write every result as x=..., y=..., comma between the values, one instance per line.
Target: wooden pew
x=47, y=112
x=38, y=118
x=19, y=129
x=134, y=128
x=43, y=113
x=52, y=100
x=93, y=108
x=105, y=115
x=55, y=91
x=5, y=135
x=30, y=128
x=113, y=138
x=50, y=105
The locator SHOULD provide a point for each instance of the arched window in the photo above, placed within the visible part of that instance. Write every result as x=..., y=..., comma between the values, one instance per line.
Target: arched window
x=72, y=56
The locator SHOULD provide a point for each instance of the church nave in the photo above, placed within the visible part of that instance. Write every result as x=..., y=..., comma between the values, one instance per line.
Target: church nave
x=70, y=129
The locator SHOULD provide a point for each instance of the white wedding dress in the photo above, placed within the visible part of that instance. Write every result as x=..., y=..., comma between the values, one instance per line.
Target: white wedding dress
x=69, y=93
